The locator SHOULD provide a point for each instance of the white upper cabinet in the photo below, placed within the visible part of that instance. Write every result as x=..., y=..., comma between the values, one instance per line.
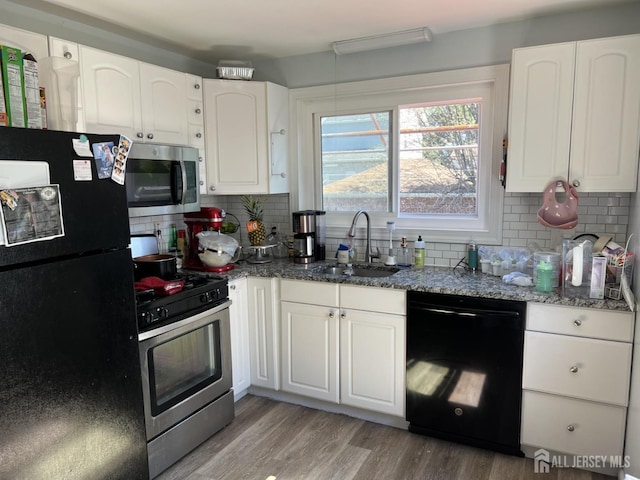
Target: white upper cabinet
x=111, y=92
x=540, y=116
x=575, y=114
x=64, y=104
x=246, y=137
x=196, y=125
x=164, y=105
x=606, y=115
x=145, y=102
x=27, y=42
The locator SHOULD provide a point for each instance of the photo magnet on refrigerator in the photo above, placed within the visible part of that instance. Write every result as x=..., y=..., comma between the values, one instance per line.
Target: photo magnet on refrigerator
x=121, y=153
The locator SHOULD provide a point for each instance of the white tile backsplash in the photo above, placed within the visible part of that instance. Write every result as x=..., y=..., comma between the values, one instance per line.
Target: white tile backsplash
x=598, y=213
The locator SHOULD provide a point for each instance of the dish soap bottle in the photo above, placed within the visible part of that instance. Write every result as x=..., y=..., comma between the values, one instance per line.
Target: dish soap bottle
x=419, y=252
x=403, y=258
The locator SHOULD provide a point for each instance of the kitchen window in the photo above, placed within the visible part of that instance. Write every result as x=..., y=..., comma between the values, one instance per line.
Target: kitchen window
x=423, y=151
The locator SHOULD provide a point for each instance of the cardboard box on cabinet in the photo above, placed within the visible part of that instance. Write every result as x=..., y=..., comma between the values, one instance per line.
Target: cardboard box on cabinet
x=13, y=83
x=31, y=91
x=4, y=119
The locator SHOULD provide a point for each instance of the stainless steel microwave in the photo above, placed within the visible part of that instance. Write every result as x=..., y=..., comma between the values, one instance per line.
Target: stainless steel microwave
x=162, y=179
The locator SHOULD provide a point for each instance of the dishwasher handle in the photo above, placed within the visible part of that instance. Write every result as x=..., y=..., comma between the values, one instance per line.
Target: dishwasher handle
x=461, y=312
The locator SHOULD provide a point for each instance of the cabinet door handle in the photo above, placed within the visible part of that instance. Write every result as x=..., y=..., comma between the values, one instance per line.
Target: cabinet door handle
x=68, y=55
x=212, y=188
x=150, y=136
x=571, y=428
x=139, y=135
x=343, y=315
x=577, y=323
x=201, y=182
x=198, y=135
x=198, y=111
x=232, y=287
x=576, y=183
x=332, y=315
x=197, y=86
x=573, y=369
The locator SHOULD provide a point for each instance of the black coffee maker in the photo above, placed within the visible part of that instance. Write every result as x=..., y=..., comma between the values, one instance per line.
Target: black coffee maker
x=304, y=236
x=309, y=236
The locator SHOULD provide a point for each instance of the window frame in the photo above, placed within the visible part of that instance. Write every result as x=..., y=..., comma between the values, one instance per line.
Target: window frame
x=308, y=104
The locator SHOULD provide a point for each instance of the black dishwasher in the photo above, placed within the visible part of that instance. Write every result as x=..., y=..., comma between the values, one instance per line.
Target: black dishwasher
x=464, y=369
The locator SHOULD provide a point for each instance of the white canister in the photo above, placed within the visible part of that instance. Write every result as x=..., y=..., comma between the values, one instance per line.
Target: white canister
x=496, y=265
x=485, y=265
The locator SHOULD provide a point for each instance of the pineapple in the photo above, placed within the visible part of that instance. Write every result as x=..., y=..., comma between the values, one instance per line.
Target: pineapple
x=255, y=226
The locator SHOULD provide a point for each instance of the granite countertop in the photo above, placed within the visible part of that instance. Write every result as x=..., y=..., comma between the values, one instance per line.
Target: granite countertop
x=427, y=279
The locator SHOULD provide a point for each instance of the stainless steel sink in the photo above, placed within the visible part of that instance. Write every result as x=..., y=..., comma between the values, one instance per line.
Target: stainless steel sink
x=368, y=272
x=333, y=270
x=363, y=271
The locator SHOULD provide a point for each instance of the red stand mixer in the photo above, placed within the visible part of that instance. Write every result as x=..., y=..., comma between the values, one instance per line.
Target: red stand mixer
x=207, y=219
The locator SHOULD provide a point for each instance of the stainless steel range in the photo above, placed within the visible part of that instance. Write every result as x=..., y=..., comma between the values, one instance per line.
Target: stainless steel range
x=185, y=354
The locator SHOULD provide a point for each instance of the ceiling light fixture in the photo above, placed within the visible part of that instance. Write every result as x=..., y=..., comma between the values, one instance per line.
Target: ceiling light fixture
x=374, y=42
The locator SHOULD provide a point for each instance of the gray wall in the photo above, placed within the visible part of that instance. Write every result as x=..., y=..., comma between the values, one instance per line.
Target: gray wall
x=36, y=16
x=455, y=50
x=462, y=49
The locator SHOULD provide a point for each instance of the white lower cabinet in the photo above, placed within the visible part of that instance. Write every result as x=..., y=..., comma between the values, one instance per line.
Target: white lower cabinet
x=264, y=312
x=239, y=319
x=309, y=342
x=576, y=376
x=372, y=361
x=344, y=344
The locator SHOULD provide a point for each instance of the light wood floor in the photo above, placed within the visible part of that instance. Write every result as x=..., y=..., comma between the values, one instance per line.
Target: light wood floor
x=270, y=440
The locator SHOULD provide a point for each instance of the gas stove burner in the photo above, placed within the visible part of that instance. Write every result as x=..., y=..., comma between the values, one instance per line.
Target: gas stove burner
x=214, y=276
x=192, y=280
x=200, y=293
x=144, y=296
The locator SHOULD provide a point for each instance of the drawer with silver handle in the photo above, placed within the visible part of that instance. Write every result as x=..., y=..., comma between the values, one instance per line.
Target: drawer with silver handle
x=572, y=426
x=313, y=293
x=383, y=300
x=585, y=368
x=582, y=322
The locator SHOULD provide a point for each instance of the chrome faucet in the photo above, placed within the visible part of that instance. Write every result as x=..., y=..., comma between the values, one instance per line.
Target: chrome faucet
x=352, y=233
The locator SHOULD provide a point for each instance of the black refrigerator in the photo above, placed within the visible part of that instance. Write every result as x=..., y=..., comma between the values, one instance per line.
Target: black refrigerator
x=70, y=380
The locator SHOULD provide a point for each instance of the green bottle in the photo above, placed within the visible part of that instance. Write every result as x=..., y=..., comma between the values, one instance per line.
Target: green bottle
x=419, y=252
x=173, y=239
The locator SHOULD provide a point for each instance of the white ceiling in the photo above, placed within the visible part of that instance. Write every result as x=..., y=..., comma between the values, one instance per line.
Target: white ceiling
x=267, y=29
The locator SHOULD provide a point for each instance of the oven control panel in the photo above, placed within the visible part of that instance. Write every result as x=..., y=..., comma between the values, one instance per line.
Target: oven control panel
x=214, y=295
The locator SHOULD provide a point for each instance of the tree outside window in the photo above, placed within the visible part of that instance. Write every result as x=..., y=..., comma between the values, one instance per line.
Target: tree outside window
x=438, y=160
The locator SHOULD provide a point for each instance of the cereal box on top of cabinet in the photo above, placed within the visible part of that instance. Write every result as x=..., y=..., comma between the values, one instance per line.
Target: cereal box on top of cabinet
x=13, y=81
